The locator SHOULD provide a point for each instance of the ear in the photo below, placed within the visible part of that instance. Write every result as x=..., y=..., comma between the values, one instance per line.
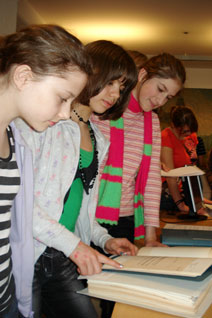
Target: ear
x=141, y=75
x=22, y=75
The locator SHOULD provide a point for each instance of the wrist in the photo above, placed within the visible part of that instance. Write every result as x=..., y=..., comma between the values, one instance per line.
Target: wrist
x=150, y=234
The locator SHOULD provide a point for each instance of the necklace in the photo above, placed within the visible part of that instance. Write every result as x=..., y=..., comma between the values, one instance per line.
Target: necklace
x=88, y=175
x=80, y=118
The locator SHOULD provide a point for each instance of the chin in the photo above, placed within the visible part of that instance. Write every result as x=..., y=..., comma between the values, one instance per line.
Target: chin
x=39, y=128
x=101, y=111
x=147, y=109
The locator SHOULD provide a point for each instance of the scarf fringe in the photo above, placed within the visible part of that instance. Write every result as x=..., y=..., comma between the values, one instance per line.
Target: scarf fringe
x=101, y=221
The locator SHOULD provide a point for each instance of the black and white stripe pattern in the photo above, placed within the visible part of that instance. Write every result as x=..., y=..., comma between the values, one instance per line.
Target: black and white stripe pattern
x=9, y=185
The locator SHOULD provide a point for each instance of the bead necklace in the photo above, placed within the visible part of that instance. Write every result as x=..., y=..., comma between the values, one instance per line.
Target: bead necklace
x=88, y=174
x=80, y=118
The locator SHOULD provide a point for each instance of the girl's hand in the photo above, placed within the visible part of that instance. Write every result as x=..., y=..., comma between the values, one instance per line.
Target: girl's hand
x=89, y=261
x=183, y=207
x=120, y=246
x=164, y=167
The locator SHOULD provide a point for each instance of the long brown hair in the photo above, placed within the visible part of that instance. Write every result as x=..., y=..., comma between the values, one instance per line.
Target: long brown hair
x=165, y=65
x=47, y=49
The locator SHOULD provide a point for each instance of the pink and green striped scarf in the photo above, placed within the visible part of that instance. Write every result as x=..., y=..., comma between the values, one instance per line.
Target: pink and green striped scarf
x=111, y=180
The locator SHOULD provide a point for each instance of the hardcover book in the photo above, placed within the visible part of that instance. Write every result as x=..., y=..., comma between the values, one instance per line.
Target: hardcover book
x=177, y=294
x=187, y=235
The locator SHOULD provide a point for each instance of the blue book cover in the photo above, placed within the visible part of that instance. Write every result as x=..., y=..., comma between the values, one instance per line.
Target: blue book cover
x=187, y=237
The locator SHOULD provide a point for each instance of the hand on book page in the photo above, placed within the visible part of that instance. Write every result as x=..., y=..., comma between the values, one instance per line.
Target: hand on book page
x=89, y=261
x=183, y=172
x=120, y=246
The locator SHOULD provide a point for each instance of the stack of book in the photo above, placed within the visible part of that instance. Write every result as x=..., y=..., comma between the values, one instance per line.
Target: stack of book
x=174, y=280
x=187, y=235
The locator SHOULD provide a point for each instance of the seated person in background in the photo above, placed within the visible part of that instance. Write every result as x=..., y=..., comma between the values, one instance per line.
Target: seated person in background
x=209, y=169
x=203, y=164
x=178, y=149
x=201, y=152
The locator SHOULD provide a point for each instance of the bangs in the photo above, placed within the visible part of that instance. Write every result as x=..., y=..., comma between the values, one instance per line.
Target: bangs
x=108, y=72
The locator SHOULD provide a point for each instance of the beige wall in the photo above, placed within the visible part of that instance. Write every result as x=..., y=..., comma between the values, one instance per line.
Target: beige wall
x=199, y=78
x=8, y=16
x=27, y=14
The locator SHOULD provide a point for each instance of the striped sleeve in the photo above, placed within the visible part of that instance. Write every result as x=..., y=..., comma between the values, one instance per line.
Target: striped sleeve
x=9, y=185
x=153, y=186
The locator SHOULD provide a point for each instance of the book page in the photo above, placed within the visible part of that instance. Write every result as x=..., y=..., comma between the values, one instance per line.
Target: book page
x=183, y=172
x=179, y=251
x=184, y=266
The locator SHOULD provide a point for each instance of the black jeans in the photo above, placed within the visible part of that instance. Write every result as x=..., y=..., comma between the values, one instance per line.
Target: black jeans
x=124, y=228
x=55, y=287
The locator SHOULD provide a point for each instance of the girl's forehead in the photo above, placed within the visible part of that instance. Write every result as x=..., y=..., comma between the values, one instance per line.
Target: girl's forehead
x=122, y=79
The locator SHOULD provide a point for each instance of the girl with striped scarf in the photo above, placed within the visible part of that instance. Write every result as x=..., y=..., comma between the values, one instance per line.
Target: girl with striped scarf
x=130, y=187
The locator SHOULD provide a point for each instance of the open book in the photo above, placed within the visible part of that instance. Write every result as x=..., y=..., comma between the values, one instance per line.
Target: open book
x=177, y=295
x=183, y=172
x=180, y=261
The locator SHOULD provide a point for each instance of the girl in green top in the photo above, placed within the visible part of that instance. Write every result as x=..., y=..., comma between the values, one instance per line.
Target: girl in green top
x=56, y=274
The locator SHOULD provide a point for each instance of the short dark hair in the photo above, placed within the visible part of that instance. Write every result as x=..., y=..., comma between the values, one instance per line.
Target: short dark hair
x=110, y=62
x=183, y=116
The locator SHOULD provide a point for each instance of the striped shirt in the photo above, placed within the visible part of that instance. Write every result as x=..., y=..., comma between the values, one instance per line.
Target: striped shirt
x=133, y=152
x=9, y=185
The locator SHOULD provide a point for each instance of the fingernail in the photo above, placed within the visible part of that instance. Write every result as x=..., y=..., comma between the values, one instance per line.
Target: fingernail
x=121, y=266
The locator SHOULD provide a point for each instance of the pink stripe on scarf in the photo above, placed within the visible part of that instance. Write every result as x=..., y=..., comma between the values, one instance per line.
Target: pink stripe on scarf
x=148, y=132
x=139, y=203
x=115, y=157
x=108, y=177
x=134, y=105
x=107, y=213
x=139, y=231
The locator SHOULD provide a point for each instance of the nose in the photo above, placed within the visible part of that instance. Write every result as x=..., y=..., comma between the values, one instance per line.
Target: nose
x=65, y=111
x=115, y=90
x=162, y=99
